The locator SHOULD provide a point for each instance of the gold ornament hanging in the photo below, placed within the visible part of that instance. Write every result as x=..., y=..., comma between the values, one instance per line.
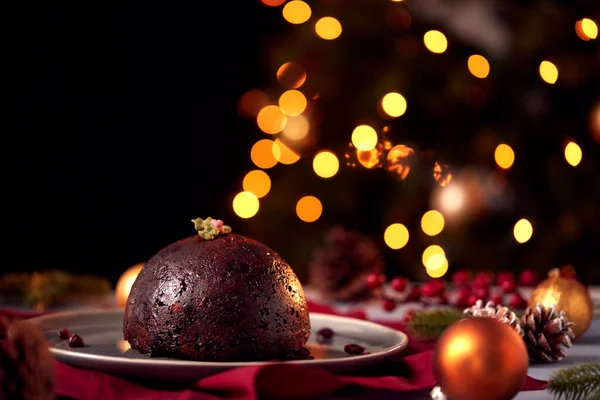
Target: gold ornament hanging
x=568, y=295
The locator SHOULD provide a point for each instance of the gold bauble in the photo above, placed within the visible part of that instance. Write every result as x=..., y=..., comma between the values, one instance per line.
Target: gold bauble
x=125, y=282
x=480, y=358
x=568, y=295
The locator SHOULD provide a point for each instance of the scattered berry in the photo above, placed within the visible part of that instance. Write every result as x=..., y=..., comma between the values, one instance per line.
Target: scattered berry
x=528, y=278
x=497, y=299
x=509, y=286
x=472, y=300
x=414, y=294
x=325, y=333
x=462, y=277
x=443, y=299
x=375, y=281
x=408, y=315
x=517, y=301
x=399, y=284
x=483, y=279
x=64, y=334
x=364, y=353
x=389, y=304
x=482, y=293
x=354, y=349
x=76, y=341
x=503, y=277
x=462, y=301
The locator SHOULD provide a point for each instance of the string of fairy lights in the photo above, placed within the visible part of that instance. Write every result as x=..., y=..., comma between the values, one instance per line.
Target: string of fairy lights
x=286, y=120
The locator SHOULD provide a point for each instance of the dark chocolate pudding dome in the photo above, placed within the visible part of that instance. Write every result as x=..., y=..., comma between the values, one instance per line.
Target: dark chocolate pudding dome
x=216, y=296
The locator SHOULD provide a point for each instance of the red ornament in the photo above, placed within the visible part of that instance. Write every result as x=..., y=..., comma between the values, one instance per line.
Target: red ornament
x=414, y=294
x=375, y=281
x=482, y=293
x=517, y=301
x=399, y=284
x=509, y=286
x=462, y=277
x=528, y=277
x=389, y=304
x=504, y=276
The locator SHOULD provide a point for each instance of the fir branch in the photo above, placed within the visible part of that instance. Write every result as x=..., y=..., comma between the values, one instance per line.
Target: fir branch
x=577, y=382
x=429, y=324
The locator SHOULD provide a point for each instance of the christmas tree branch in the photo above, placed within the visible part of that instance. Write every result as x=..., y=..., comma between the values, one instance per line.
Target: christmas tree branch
x=429, y=324
x=577, y=382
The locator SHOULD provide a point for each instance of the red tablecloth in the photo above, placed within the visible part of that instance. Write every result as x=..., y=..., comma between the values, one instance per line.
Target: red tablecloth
x=411, y=372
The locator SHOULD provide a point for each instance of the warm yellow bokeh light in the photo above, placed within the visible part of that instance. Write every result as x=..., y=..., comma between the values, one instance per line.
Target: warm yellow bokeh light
x=437, y=266
x=296, y=128
x=586, y=29
x=504, y=156
x=271, y=119
x=432, y=222
x=292, y=102
x=291, y=75
x=478, y=66
x=523, y=230
x=435, y=41
x=328, y=28
x=262, y=152
x=548, y=72
x=371, y=159
x=430, y=252
x=245, y=204
x=125, y=283
x=272, y=3
x=399, y=160
x=257, y=182
x=296, y=12
x=393, y=104
x=309, y=209
x=283, y=153
x=364, y=138
x=251, y=102
x=326, y=164
x=396, y=236
x=573, y=154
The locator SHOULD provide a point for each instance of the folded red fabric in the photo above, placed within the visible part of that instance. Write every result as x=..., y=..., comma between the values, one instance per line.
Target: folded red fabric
x=412, y=372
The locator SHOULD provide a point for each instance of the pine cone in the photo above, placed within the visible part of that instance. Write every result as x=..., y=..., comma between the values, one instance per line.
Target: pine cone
x=501, y=313
x=546, y=332
x=339, y=270
x=26, y=365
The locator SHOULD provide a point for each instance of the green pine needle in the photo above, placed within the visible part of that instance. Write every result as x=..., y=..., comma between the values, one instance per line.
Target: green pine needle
x=577, y=382
x=429, y=324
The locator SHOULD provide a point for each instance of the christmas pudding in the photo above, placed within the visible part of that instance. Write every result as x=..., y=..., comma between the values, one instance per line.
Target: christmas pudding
x=216, y=296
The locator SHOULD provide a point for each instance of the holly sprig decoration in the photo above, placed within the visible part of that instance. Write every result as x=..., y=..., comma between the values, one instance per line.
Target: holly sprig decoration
x=429, y=324
x=577, y=382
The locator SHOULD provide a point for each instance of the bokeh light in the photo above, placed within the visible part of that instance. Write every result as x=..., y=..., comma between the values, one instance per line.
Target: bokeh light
x=245, y=204
x=432, y=223
x=437, y=266
x=261, y=154
x=309, y=209
x=548, y=72
x=326, y=164
x=271, y=119
x=586, y=29
x=523, y=230
x=478, y=66
x=291, y=75
x=364, y=138
x=504, y=156
x=442, y=173
x=573, y=154
x=430, y=251
x=595, y=122
x=257, y=182
x=283, y=153
x=371, y=159
x=125, y=283
x=272, y=3
x=393, y=104
x=399, y=161
x=292, y=102
x=251, y=102
x=396, y=236
x=296, y=12
x=451, y=200
x=328, y=28
x=296, y=128
x=435, y=41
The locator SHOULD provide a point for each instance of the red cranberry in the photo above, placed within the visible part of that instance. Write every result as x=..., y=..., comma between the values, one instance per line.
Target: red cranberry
x=353, y=349
x=325, y=333
x=462, y=301
x=64, y=334
x=364, y=353
x=301, y=353
x=484, y=278
x=482, y=293
x=528, y=278
x=497, y=300
x=399, y=284
x=76, y=341
x=443, y=299
x=472, y=300
x=375, y=281
x=415, y=294
x=389, y=304
x=408, y=315
x=504, y=276
x=462, y=277
x=517, y=301
x=509, y=286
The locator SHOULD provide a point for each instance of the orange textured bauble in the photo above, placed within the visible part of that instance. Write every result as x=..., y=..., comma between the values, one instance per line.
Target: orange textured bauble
x=125, y=282
x=568, y=295
x=480, y=358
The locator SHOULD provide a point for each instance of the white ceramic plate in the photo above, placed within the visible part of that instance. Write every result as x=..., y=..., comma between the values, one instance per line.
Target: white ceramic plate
x=106, y=351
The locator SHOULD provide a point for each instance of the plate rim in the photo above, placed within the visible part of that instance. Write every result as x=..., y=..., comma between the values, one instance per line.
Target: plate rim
x=403, y=341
